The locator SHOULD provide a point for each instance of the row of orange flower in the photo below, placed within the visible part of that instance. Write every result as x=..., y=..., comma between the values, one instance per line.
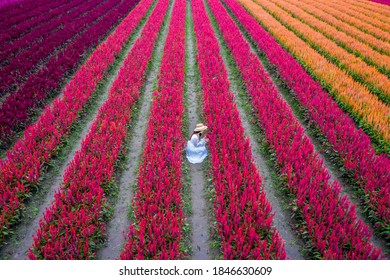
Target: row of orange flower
x=365, y=107
x=375, y=43
x=357, y=22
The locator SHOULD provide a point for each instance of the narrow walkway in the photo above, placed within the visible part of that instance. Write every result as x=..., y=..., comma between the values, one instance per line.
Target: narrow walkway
x=281, y=219
x=119, y=224
x=17, y=248
x=199, y=219
x=334, y=172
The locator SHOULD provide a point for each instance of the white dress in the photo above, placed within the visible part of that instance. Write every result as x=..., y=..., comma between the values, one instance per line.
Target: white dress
x=196, y=149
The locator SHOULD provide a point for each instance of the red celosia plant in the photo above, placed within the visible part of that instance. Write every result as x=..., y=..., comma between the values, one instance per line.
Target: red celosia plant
x=20, y=170
x=329, y=218
x=242, y=211
x=15, y=110
x=352, y=145
x=157, y=203
x=74, y=225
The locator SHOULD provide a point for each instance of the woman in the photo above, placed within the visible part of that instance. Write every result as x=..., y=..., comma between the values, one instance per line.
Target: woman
x=196, y=147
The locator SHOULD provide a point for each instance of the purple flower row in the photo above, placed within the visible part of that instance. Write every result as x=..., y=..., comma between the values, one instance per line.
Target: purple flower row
x=23, y=11
x=352, y=145
x=14, y=112
x=20, y=170
x=74, y=224
x=24, y=63
x=333, y=229
x=25, y=34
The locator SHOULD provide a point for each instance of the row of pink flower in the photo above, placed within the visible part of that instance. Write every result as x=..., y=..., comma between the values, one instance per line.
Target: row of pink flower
x=24, y=64
x=23, y=11
x=21, y=170
x=157, y=203
x=20, y=38
x=242, y=211
x=14, y=112
x=353, y=146
x=330, y=220
x=385, y=2
x=75, y=222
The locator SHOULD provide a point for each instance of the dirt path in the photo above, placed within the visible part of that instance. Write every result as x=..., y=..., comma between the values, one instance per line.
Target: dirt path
x=17, y=247
x=281, y=218
x=119, y=224
x=333, y=170
x=199, y=218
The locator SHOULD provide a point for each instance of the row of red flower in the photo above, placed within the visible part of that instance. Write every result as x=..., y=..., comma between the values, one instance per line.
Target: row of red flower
x=20, y=12
x=14, y=112
x=20, y=171
x=157, y=203
x=242, y=211
x=24, y=64
x=352, y=145
x=74, y=225
x=329, y=219
x=52, y=22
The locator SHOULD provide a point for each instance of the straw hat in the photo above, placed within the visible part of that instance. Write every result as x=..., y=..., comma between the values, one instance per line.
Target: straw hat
x=200, y=127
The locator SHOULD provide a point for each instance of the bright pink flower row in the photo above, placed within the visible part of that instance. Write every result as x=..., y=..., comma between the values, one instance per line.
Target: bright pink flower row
x=241, y=208
x=353, y=146
x=385, y=2
x=20, y=171
x=333, y=228
x=157, y=202
x=74, y=224
x=14, y=112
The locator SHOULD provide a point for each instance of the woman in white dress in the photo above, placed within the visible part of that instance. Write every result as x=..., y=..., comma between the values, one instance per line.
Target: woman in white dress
x=196, y=147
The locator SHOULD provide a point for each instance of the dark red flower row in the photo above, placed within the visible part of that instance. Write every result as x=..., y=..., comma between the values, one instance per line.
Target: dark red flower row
x=23, y=11
x=157, y=203
x=14, y=112
x=74, y=225
x=48, y=24
x=24, y=63
x=333, y=228
x=20, y=170
x=242, y=211
x=352, y=145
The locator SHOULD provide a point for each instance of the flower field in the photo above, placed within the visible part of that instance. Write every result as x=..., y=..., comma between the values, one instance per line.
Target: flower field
x=295, y=94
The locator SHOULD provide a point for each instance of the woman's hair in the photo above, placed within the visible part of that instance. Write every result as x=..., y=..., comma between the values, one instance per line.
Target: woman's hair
x=195, y=132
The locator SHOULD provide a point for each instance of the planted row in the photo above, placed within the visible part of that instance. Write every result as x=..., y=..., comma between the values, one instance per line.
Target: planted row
x=357, y=22
x=352, y=145
x=19, y=30
x=20, y=12
x=377, y=44
x=20, y=170
x=327, y=39
x=74, y=226
x=157, y=203
x=329, y=221
x=15, y=113
x=365, y=107
x=243, y=213
x=52, y=23
x=24, y=64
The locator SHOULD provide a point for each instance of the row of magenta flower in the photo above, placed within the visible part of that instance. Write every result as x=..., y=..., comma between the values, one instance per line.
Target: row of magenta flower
x=57, y=39
x=243, y=214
